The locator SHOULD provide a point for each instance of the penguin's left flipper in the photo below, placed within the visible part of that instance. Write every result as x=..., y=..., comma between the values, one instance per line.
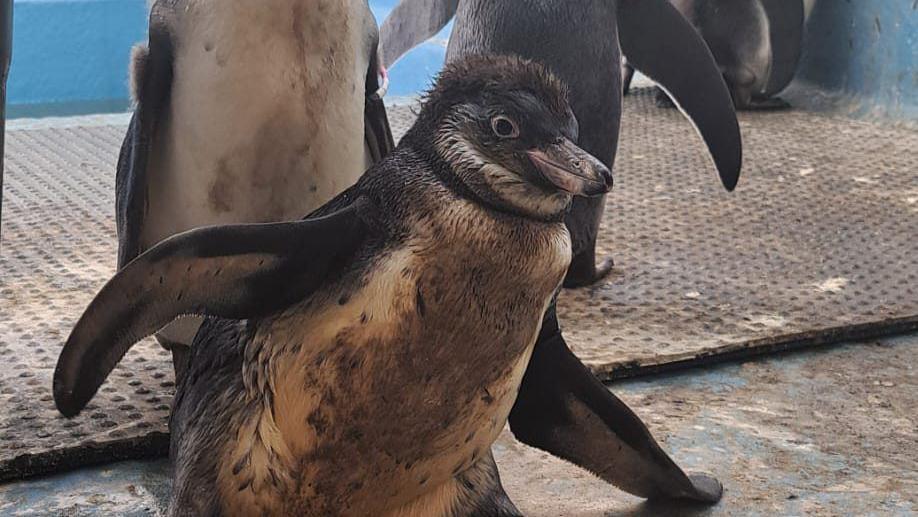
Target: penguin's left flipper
x=233, y=272
x=786, y=20
x=657, y=40
x=411, y=23
x=563, y=409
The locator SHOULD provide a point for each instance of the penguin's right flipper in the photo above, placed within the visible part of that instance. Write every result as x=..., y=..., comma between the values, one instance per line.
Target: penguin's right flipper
x=152, y=74
x=661, y=43
x=785, y=27
x=563, y=409
x=233, y=272
x=411, y=23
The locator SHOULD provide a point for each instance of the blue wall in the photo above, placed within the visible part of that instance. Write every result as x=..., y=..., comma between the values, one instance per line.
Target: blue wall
x=71, y=56
x=866, y=51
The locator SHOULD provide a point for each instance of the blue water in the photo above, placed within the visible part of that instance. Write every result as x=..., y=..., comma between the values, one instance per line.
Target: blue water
x=71, y=56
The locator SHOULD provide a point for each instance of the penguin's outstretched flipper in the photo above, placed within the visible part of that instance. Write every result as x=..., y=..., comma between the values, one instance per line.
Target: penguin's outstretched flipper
x=563, y=409
x=233, y=272
x=657, y=40
x=785, y=27
x=152, y=73
x=411, y=23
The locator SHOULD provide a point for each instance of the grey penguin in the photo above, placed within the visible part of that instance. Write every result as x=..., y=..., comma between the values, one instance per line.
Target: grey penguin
x=245, y=112
x=757, y=44
x=562, y=408
x=362, y=361
x=582, y=45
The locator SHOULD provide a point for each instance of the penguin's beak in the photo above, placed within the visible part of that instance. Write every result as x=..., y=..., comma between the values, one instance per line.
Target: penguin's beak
x=571, y=169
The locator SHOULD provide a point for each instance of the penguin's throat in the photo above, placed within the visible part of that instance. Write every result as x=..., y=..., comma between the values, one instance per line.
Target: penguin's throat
x=493, y=183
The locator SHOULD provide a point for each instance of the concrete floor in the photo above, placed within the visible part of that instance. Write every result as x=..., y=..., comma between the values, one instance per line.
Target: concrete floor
x=823, y=432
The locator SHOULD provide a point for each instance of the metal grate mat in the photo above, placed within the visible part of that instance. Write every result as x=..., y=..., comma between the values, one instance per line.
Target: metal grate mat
x=819, y=243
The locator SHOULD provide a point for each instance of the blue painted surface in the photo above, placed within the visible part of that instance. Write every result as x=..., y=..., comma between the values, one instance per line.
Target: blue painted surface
x=71, y=56
x=68, y=52
x=866, y=50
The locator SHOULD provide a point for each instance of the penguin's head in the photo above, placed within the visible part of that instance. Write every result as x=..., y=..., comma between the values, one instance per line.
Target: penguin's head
x=505, y=130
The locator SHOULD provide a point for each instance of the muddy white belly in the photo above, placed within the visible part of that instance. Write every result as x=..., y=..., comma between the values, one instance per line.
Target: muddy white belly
x=410, y=373
x=266, y=115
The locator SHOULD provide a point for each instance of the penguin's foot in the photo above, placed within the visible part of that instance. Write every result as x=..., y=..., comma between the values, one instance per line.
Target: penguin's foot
x=582, y=275
x=663, y=101
x=769, y=104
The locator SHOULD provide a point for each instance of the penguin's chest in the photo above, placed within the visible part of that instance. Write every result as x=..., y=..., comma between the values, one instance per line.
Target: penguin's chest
x=266, y=113
x=397, y=387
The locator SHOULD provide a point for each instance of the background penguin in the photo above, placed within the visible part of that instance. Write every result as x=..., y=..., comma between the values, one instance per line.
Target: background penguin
x=757, y=44
x=245, y=112
x=433, y=272
x=562, y=408
x=582, y=46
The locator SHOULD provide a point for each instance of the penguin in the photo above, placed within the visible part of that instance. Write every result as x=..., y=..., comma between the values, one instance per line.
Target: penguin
x=246, y=112
x=582, y=46
x=363, y=361
x=639, y=466
x=562, y=408
x=757, y=44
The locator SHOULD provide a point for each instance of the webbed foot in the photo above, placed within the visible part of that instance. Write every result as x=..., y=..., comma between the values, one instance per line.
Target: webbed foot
x=769, y=104
x=583, y=274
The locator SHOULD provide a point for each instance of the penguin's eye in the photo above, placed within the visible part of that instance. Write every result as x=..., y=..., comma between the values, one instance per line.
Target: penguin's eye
x=503, y=127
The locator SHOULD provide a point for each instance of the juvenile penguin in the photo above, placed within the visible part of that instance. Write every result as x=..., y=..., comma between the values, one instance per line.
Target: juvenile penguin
x=246, y=112
x=562, y=408
x=757, y=44
x=582, y=44
x=365, y=358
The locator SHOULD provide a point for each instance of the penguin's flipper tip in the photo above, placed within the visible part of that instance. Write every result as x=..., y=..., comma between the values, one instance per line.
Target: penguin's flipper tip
x=64, y=400
x=657, y=40
x=232, y=272
x=786, y=24
x=707, y=488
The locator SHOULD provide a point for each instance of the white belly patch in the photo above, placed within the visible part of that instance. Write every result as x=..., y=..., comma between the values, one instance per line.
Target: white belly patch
x=266, y=115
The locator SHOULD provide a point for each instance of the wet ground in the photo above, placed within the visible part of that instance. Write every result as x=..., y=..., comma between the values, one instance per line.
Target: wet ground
x=830, y=431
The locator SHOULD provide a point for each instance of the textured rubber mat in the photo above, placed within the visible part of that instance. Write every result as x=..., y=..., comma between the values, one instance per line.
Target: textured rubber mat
x=819, y=243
